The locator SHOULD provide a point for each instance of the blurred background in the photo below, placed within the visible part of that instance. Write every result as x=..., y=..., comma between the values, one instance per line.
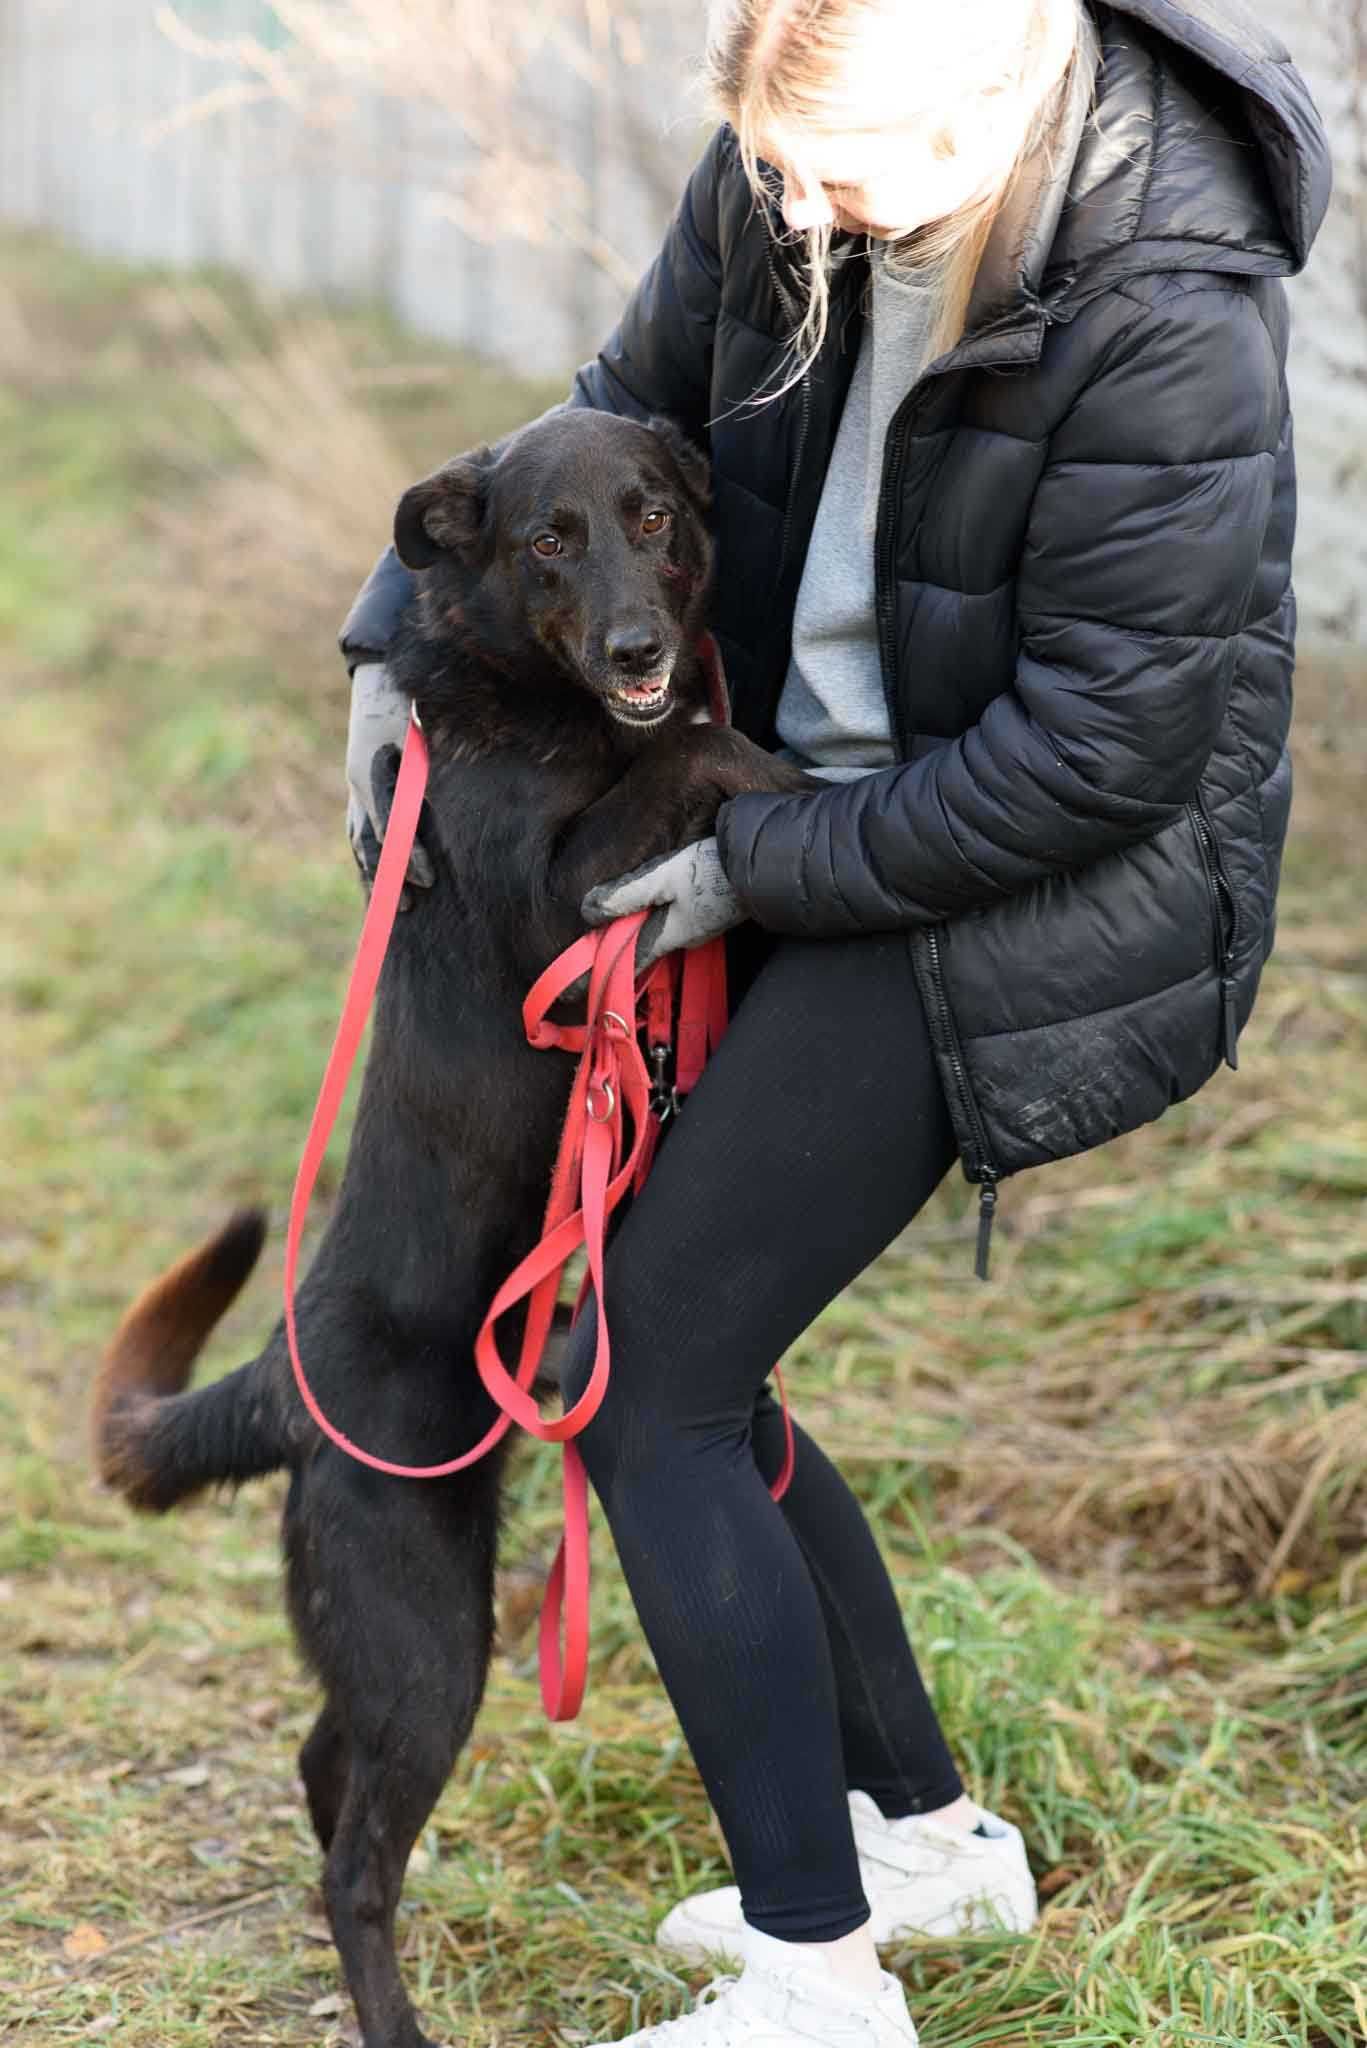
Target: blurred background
x=262, y=262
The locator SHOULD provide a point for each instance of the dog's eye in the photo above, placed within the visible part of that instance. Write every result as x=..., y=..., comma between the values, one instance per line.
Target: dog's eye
x=548, y=544
x=656, y=521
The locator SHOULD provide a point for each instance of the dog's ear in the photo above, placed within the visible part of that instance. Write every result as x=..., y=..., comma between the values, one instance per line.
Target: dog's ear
x=444, y=514
x=692, y=465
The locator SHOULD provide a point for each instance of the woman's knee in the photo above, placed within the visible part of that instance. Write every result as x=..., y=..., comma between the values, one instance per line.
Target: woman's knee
x=574, y=1369
x=639, y=1357
x=599, y=1442
x=642, y=1430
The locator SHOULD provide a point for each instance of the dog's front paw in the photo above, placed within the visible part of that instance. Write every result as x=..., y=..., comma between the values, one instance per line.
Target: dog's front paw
x=384, y=780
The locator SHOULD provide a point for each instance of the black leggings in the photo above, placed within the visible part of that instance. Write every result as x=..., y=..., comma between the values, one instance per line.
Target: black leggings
x=817, y=1131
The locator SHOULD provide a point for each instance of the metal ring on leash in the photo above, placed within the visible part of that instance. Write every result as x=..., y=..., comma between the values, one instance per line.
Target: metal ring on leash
x=611, y=1101
x=611, y=1017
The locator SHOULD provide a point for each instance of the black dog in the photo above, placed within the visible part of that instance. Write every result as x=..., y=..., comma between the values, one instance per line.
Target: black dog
x=552, y=656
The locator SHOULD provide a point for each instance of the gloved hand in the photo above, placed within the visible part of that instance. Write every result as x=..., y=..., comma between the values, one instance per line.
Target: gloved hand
x=379, y=719
x=695, y=901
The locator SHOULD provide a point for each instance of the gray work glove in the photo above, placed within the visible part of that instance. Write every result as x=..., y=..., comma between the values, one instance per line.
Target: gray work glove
x=379, y=719
x=695, y=901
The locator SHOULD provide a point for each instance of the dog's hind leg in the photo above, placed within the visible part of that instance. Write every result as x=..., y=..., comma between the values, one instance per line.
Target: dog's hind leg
x=391, y=1789
x=323, y=1767
x=391, y=1584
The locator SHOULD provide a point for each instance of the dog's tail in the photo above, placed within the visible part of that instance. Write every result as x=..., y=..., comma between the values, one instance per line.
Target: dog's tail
x=154, y=1442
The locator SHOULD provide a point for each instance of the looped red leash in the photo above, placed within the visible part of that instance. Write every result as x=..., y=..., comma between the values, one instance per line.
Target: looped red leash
x=611, y=1077
x=590, y=1178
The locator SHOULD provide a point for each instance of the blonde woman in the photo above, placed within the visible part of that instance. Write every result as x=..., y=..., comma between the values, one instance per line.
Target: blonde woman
x=977, y=309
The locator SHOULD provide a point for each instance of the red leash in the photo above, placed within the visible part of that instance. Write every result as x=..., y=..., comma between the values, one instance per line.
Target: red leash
x=591, y=1177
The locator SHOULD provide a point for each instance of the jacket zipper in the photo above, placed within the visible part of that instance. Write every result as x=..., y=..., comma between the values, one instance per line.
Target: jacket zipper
x=980, y=1169
x=1225, y=915
x=804, y=393
x=884, y=608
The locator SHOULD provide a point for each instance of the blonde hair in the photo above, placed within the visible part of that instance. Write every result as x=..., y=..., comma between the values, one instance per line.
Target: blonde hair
x=789, y=73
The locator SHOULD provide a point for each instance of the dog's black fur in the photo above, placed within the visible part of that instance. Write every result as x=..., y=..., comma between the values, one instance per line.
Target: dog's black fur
x=569, y=562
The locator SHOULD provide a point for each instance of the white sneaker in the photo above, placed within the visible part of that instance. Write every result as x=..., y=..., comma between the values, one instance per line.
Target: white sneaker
x=782, y=2003
x=920, y=1877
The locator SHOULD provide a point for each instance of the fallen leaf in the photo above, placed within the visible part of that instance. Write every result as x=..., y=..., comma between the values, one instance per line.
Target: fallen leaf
x=1054, y=1880
x=84, y=1941
x=213, y=1851
x=329, y=2008
x=191, y=1775
x=263, y=1713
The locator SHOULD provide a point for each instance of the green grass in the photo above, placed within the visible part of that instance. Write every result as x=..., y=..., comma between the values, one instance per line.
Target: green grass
x=1121, y=1489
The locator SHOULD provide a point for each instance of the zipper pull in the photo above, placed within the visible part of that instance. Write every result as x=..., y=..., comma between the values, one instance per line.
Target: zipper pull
x=1231, y=1028
x=987, y=1209
x=663, y=1099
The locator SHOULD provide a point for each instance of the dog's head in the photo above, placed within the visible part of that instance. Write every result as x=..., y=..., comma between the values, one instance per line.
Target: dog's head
x=575, y=551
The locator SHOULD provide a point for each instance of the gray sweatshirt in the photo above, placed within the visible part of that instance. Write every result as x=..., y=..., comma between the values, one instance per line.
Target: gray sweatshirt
x=832, y=715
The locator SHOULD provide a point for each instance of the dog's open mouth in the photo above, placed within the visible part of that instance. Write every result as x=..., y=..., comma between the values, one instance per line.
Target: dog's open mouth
x=643, y=702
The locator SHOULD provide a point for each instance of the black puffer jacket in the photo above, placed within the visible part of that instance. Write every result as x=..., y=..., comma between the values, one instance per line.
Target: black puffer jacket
x=1083, y=585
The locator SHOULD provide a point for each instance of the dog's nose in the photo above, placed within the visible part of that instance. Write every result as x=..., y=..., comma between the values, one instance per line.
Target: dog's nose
x=637, y=648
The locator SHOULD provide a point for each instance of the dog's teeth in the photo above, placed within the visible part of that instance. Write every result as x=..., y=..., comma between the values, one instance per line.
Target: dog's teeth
x=650, y=696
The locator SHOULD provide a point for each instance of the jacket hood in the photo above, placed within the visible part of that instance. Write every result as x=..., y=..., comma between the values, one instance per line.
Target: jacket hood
x=1204, y=150
x=1185, y=140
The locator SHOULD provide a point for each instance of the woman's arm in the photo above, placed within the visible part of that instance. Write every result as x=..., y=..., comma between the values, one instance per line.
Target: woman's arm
x=1148, y=549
